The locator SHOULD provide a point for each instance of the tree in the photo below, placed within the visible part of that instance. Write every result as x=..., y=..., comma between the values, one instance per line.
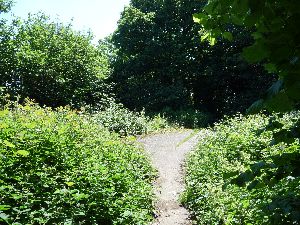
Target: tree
x=5, y=5
x=161, y=63
x=274, y=27
x=52, y=63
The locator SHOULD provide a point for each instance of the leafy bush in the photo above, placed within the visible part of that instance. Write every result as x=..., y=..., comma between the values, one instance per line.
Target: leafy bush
x=61, y=167
x=119, y=119
x=246, y=171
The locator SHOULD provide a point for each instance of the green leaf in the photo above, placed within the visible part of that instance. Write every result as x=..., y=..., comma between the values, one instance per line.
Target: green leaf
x=228, y=36
x=270, y=67
x=127, y=213
x=216, y=32
x=236, y=20
x=209, y=8
x=292, y=86
x=250, y=20
x=212, y=41
x=81, y=213
x=8, y=144
x=275, y=89
x=4, y=207
x=204, y=36
x=255, y=53
x=279, y=103
x=23, y=153
x=200, y=17
x=240, y=7
x=257, y=35
x=79, y=196
x=294, y=91
x=230, y=174
x=4, y=217
x=70, y=184
x=4, y=113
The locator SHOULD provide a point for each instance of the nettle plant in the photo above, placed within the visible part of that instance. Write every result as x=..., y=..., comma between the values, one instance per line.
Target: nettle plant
x=61, y=167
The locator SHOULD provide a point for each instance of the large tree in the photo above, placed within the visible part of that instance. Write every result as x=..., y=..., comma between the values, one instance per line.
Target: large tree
x=160, y=61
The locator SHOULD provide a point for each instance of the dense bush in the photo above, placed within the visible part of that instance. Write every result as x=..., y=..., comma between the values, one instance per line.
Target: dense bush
x=246, y=171
x=61, y=167
x=121, y=120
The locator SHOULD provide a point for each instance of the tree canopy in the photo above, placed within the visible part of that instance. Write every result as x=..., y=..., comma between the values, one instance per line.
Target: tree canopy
x=274, y=26
x=51, y=63
x=161, y=63
x=5, y=5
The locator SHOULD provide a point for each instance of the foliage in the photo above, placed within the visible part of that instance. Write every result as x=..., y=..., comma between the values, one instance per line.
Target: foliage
x=274, y=27
x=5, y=5
x=51, y=63
x=188, y=118
x=61, y=167
x=227, y=83
x=161, y=63
x=244, y=171
x=121, y=120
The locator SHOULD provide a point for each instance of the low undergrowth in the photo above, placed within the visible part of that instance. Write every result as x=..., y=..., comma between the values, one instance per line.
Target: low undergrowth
x=61, y=167
x=246, y=170
x=121, y=120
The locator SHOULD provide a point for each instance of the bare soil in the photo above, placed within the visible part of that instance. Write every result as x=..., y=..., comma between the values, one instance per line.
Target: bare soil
x=167, y=152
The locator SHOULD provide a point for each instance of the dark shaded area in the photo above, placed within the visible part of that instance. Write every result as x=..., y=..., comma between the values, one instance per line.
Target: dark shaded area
x=160, y=62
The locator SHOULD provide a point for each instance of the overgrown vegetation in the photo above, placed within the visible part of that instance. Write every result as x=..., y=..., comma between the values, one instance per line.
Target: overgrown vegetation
x=160, y=62
x=245, y=170
x=273, y=26
x=61, y=167
x=121, y=120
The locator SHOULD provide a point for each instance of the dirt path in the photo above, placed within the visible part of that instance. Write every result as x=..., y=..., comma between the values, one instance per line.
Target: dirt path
x=167, y=152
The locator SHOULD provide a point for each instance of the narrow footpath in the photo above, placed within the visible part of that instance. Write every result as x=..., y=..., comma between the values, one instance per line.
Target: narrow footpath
x=167, y=152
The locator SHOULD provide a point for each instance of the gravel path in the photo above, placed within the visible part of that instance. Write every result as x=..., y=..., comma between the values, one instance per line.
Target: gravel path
x=167, y=152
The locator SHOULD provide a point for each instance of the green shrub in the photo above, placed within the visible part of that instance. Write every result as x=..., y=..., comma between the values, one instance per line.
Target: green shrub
x=159, y=123
x=243, y=173
x=61, y=167
x=121, y=120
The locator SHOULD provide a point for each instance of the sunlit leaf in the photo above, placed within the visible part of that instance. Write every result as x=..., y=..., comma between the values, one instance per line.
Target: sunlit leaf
x=8, y=144
x=23, y=153
x=70, y=184
x=4, y=207
x=200, y=17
